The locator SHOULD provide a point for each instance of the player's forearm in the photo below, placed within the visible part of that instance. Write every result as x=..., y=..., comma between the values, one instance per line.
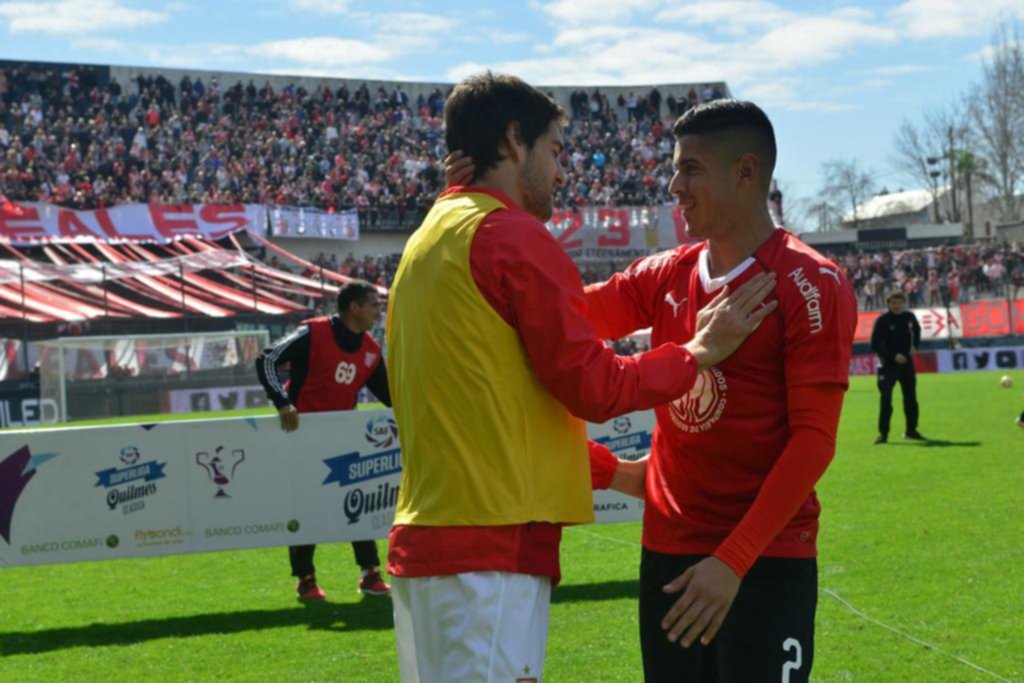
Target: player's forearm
x=263, y=374
x=814, y=419
x=597, y=385
x=791, y=480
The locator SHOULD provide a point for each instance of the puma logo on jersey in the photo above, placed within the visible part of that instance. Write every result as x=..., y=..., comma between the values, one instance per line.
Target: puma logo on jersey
x=670, y=300
x=833, y=273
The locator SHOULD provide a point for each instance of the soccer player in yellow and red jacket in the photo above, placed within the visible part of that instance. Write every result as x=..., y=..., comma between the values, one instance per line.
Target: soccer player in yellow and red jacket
x=731, y=518
x=493, y=369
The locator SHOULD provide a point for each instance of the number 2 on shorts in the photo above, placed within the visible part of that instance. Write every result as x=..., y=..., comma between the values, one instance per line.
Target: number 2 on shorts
x=787, y=645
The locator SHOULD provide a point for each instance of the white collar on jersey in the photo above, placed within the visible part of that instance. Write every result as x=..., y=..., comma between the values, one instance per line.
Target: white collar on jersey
x=714, y=284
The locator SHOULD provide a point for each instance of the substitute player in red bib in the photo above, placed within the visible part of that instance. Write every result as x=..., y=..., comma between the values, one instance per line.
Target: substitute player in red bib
x=331, y=359
x=732, y=518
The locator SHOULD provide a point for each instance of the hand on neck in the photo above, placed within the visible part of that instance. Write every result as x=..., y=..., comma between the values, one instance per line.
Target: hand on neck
x=504, y=179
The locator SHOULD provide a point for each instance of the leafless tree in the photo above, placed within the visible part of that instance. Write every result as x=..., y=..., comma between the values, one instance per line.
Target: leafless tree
x=997, y=118
x=928, y=154
x=845, y=185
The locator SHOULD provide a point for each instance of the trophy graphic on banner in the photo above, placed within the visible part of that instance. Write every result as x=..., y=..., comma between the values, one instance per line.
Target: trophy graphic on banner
x=217, y=467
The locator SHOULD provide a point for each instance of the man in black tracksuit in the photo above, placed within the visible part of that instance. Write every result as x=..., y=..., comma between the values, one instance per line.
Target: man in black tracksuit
x=315, y=385
x=895, y=338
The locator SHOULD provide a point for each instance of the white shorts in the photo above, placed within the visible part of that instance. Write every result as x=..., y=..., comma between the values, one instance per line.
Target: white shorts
x=477, y=627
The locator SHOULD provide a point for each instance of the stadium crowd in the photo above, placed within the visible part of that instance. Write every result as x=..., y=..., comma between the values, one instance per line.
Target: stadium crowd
x=937, y=276
x=69, y=139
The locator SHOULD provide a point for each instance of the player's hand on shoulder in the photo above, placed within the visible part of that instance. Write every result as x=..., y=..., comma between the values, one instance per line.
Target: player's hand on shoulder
x=728, y=319
x=709, y=588
x=289, y=418
x=458, y=169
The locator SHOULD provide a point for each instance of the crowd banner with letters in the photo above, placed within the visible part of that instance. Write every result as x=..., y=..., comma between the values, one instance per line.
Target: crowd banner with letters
x=981, y=358
x=618, y=233
x=314, y=223
x=98, y=493
x=29, y=223
x=992, y=318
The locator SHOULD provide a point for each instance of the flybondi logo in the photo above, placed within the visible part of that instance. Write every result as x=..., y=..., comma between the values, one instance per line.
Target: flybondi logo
x=812, y=296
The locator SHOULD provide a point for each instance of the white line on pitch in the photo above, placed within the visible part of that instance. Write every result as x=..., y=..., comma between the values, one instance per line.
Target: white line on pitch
x=832, y=594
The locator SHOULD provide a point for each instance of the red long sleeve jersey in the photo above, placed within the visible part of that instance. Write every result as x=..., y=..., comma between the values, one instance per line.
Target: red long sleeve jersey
x=715, y=446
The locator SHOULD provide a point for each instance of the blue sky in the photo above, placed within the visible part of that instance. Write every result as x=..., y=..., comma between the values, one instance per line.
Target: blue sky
x=837, y=78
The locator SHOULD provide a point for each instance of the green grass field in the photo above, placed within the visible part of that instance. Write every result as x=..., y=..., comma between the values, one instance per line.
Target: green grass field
x=924, y=541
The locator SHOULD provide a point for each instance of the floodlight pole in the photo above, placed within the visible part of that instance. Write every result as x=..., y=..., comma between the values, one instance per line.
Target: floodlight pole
x=63, y=416
x=24, y=321
x=106, y=303
x=181, y=276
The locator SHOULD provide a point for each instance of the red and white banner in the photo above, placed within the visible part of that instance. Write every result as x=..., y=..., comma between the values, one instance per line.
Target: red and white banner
x=619, y=233
x=940, y=323
x=936, y=323
x=30, y=223
x=12, y=272
x=993, y=318
x=976, y=319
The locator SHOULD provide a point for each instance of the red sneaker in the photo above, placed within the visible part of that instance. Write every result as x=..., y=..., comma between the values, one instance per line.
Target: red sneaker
x=308, y=590
x=371, y=584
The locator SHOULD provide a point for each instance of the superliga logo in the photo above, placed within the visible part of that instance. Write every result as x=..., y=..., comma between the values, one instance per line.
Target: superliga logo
x=701, y=408
x=128, y=486
x=382, y=432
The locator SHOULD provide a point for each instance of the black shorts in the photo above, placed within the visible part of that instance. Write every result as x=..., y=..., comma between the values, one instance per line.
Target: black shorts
x=768, y=634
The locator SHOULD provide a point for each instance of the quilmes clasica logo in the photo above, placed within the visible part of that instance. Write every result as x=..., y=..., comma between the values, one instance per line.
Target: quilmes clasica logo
x=128, y=486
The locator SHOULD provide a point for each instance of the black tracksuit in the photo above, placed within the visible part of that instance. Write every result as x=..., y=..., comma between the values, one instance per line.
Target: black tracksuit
x=892, y=335
x=294, y=349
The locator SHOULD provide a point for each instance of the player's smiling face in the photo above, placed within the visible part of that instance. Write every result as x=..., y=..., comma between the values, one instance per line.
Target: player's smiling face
x=701, y=186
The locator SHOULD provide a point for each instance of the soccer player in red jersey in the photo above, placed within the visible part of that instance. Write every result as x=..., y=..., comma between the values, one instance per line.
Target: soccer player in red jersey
x=731, y=520
x=331, y=359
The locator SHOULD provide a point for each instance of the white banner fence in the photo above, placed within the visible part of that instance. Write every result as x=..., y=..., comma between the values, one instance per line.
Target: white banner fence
x=100, y=493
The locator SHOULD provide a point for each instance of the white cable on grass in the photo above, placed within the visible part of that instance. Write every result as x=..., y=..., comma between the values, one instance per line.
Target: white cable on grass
x=847, y=605
x=929, y=646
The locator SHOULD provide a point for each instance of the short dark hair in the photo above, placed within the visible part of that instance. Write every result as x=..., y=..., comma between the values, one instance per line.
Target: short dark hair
x=479, y=110
x=745, y=121
x=357, y=291
x=896, y=294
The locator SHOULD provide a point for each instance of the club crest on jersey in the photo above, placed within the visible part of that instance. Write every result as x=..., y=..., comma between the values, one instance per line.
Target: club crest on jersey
x=369, y=358
x=812, y=296
x=701, y=408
